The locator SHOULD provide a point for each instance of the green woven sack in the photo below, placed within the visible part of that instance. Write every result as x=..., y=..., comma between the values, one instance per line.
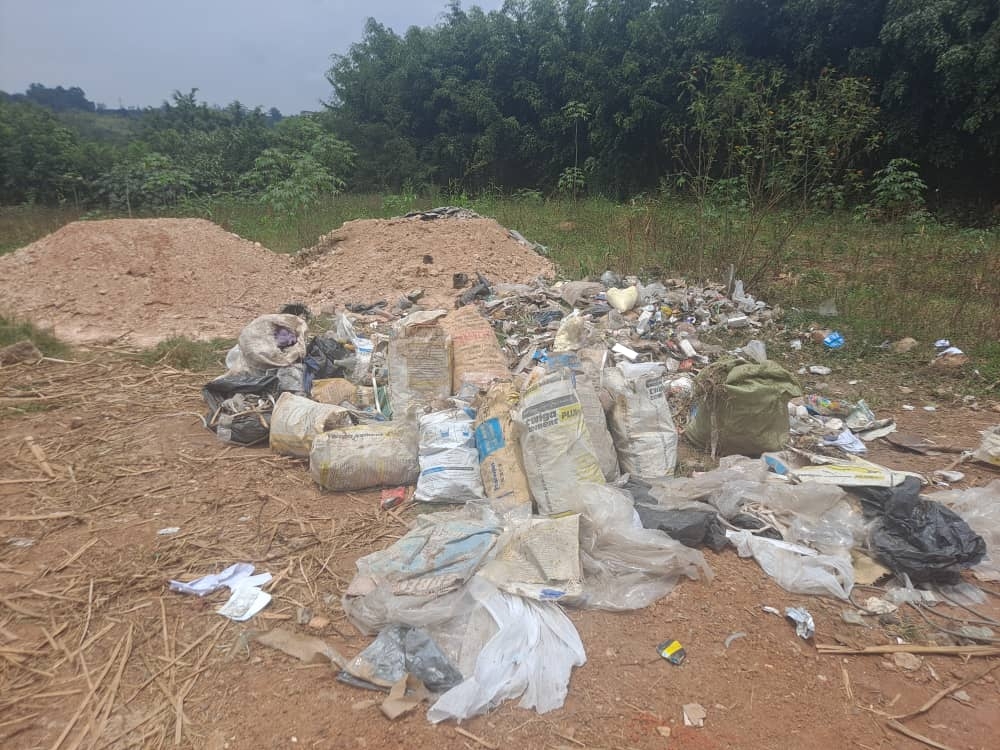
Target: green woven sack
x=742, y=408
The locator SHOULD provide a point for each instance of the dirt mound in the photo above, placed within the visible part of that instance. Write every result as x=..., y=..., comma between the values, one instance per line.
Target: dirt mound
x=381, y=259
x=139, y=281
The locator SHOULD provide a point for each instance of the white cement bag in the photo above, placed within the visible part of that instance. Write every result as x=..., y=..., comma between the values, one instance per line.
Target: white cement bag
x=419, y=362
x=556, y=448
x=641, y=424
x=296, y=421
x=356, y=458
x=259, y=340
x=449, y=460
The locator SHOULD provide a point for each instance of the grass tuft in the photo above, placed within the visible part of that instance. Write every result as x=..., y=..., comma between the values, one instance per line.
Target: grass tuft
x=12, y=331
x=184, y=354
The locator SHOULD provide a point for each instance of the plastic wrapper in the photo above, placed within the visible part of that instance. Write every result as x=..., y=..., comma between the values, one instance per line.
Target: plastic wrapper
x=641, y=424
x=416, y=580
x=296, y=421
x=529, y=653
x=259, y=341
x=419, y=362
x=449, y=461
x=356, y=458
x=797, y=569
x=980, y=507
x=555, y=444
x=334, y=391
x=504, y=480
x=364, y=349
x=624, y=565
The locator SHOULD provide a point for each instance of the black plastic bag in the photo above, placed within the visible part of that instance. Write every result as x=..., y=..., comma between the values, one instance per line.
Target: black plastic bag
x=691, y=527
x=920, y=537
x=322, y=356
x=248, y=423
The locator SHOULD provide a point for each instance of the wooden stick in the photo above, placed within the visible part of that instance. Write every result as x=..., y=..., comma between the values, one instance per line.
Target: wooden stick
x=943, y=693
x=30, y=480
x=893, y=724
x=828, y=648
x=86, y=701
x=476, y=738
x=41, y=517
x=39, y=454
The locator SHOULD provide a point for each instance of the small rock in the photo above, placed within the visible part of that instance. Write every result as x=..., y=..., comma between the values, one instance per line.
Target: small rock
x=820, y=370
x=414, y=294
x=905, y=391
x=318, y=622
x=303, y=615
x=907, y=661
x=663, y=731
x=961, y=696
x=76, y=423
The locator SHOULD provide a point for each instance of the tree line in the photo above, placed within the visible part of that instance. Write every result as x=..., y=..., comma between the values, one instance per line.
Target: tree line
x=57, y=147
x=484, y=98
x=754, y=102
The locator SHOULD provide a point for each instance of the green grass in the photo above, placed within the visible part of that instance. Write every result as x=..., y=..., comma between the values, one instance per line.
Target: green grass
x=12, y=331
x=22, y=225
x=184, y=354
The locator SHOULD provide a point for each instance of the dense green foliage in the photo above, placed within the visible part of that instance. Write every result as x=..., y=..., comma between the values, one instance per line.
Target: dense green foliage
x=741, y=104
x=480, y=97
x=152, y=158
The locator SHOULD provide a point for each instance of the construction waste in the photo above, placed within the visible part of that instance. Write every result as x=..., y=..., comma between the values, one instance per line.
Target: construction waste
x=540, y=425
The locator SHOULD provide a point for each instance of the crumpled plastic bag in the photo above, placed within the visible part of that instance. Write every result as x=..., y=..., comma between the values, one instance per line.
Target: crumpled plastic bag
x=980, y=507
x=923, y=538
x=417, y=580
x=530, y=654
x=397, y=651
x=626, y=567
x=797, y=569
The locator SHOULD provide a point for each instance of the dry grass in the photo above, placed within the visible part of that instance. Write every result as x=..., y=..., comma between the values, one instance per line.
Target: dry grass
x=94, y=651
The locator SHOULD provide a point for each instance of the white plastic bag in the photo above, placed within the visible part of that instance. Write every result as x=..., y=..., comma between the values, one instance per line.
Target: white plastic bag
x=989, y=449
x=258, y=341
x=555, y=444
x=296, y=421
x=980, y=508
x=795, y=568
x=531, y=654
x=449, y=461
x=641, y=424
x=626, y=566
x=356, y=458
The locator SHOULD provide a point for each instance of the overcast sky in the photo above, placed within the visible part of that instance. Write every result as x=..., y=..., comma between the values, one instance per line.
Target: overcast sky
x=274, y=53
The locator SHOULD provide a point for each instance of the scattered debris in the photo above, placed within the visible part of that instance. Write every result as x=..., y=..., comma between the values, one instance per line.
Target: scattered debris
x=804, y=625
x=694, y=715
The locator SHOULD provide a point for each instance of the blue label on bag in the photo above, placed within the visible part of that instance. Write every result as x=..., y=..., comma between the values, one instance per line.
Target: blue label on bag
x=489, y=438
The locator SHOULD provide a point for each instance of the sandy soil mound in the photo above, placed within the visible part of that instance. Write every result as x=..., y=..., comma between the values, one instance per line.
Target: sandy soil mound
x=140, y=281
x=380, y=259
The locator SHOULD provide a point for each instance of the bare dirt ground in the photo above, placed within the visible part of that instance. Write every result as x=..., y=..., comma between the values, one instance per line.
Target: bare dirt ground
x=139, y=281
x=95, y=651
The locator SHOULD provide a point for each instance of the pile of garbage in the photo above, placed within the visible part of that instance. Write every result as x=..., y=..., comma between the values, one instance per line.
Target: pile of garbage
x=536, y=426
